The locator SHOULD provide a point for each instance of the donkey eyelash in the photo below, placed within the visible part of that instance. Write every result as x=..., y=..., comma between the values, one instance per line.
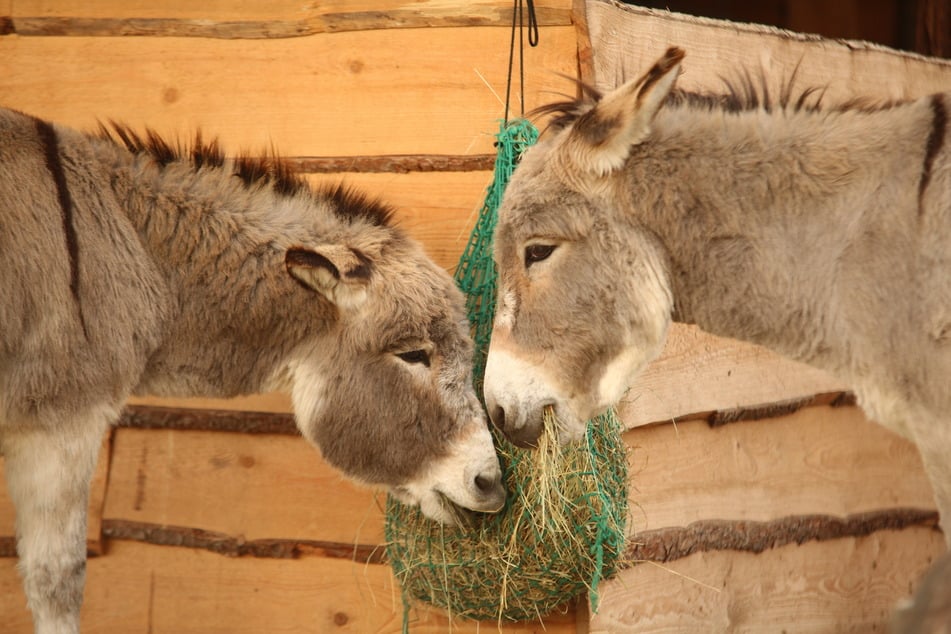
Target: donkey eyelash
x=415, y=356
x=537, y=253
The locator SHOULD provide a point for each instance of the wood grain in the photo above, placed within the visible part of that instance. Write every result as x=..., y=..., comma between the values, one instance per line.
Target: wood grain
x=248, y=20
x=669, y=544
x=327, y=95
x=271, y=402
x=399, y=164
x=842, y=585
x=159, y=590
x=238, y=546
x=629, y=39
x=207, y=419
x=698, y=373
x=240, y=486
x=819, y=460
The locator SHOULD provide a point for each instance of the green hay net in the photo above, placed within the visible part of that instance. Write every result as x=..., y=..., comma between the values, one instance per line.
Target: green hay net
x=562, y=529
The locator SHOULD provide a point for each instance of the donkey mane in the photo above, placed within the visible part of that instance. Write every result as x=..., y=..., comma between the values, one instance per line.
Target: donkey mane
x=265, y=170
x=744, y=93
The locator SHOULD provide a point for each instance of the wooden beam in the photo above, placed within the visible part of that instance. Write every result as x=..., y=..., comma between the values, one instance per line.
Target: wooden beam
x=397, y=164
x=169, y=418
x=579, y=15
x=339, y=95
x=269, y=21
x=841, y=585
x=669, y=544
x=238, y=546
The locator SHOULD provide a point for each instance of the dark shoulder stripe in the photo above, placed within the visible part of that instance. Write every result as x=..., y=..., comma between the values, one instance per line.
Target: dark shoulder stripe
x=50, y=144
x=939, y=125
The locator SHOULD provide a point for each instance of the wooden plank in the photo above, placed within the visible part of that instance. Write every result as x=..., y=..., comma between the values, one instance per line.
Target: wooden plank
x=819, y=460
x=698, y=373
x=629, y=39
x=669, y=544
x=843, y=585
x=141, y=588
x=579, y=16
x=97, y=494
x=402, y=91
x=284, y=18
x=246, y=487
x=398, y=163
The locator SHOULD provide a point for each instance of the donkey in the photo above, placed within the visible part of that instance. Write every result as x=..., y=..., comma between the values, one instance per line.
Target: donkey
x=821, y=233
x=134, y=265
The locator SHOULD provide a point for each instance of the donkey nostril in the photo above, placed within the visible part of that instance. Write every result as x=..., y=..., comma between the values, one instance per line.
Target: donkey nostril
x=486, y=484
x=497, y=414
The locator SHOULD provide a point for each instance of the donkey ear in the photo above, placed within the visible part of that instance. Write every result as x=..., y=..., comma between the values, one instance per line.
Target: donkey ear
x=602, y=138
x=337, y=272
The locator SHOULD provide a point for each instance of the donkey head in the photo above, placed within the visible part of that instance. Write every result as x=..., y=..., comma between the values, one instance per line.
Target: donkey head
x=583, y=299
x=391, y=402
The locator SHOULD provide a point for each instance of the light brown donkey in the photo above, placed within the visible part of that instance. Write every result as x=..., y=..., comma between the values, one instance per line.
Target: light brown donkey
x=128, y=265
x=823, y=233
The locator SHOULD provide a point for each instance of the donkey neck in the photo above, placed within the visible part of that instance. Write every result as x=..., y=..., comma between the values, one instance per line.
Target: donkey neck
x=760, y=211
x=219, y=246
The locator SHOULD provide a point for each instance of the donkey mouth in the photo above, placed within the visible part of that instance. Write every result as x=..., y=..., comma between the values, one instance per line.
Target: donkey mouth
x=462, y=517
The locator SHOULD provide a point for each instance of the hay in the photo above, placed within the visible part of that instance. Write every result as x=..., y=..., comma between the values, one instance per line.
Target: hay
x=561, y=532
x=563, y=526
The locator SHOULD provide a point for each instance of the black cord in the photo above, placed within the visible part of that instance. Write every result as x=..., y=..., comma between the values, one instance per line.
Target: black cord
x=518, y=23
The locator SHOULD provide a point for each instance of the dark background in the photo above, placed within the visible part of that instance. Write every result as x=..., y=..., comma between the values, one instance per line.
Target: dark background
x=922, y=26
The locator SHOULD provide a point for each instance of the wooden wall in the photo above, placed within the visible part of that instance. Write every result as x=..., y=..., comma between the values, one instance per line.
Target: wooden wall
x=759, y=493
x=233, y=523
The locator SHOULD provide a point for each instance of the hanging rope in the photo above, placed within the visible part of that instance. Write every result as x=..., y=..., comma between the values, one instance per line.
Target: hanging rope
x=517, y=19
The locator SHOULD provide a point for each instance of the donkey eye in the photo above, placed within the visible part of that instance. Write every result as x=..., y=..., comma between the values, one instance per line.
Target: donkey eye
x=415, y=356
x=537, y=252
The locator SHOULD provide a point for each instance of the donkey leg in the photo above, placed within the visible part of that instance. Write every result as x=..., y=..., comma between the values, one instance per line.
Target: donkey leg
x=48, y=476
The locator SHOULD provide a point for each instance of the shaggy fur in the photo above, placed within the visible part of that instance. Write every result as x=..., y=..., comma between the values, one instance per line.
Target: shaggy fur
x=821, y=233
x=131, y=265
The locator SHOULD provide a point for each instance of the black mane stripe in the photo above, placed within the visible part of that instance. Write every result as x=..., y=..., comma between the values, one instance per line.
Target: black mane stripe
x=350, y=204
x=939, y=125
x=743, y=94
x=54, y=164
x=268, y=169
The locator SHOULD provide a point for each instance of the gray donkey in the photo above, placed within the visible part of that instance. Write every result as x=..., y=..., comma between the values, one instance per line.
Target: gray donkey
x=823, y=233
x=131, y=265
